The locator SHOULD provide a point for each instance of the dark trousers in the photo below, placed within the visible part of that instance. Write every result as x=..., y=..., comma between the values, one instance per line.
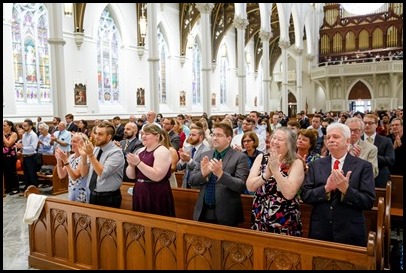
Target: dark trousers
x=30, y=171
x=208, y=215
x=108, y=199
x=10, y=174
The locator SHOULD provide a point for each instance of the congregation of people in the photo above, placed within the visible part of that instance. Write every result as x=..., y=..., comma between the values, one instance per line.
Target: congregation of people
x=333, y=162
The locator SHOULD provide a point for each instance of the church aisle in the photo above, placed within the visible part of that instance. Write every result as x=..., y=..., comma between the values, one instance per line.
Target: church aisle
x=15, y=233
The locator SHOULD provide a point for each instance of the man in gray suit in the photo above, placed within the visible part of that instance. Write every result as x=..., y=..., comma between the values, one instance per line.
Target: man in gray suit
x=359, y=147
x=221, y=174
x=187, y=156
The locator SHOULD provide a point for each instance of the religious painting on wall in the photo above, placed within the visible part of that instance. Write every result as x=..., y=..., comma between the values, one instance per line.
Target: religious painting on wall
x=80, y=94
x=182, y=98
x=236, y=100
x=213, y=99
x=140, y=96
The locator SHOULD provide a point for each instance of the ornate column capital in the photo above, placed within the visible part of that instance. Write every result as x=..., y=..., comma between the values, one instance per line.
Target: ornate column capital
x=265, y=36
x=284, y=44
x=309, y=57
x=205, y=7
x=297, y=50
x=240, y=23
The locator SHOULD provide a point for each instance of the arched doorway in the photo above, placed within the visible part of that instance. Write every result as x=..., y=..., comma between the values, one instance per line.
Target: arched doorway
x=359, y=98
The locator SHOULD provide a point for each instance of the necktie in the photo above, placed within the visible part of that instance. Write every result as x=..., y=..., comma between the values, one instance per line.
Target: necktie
x=188, y=171
x=126, y=145
x=370, y=140
x=210, y=195
x=336, y=164
x=93, y=179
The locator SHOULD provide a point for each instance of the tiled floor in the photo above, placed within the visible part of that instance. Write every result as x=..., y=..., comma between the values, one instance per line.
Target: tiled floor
x=15, y=233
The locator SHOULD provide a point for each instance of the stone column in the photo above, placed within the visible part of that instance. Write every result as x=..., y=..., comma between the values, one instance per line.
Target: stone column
x=56, y=43
x=265, y=36
x=205, y=13
x=240, y=24
x=284, y=45
x=153, y=57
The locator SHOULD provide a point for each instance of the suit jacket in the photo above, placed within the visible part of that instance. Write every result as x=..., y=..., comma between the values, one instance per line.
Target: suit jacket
x=189, y=166
x=119, y=135
x=369, y=152
x=229, y=187
x=175, y=140
x=339, y=218
x=72, y=127
x=134, y=145
x=386, y=159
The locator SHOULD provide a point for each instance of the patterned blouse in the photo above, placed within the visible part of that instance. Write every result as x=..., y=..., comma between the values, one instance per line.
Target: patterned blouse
x=9, y=151
x=78, y=189
x=271, y=212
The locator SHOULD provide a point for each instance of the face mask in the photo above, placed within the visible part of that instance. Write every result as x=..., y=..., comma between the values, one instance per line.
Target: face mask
x=324, y=130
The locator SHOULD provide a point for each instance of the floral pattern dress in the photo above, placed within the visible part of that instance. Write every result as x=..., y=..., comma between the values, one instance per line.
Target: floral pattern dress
x=271, y=212
x=77, y=190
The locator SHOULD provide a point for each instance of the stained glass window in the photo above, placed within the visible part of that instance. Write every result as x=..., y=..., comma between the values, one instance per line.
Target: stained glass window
x=224, y=68
x=162, y=75
x=108, y=45
x=196, y=71
x=32, y=79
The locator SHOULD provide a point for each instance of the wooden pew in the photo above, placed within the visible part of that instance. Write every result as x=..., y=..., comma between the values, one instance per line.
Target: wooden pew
x=59, y=186
x=397, y=195
x=73, y=235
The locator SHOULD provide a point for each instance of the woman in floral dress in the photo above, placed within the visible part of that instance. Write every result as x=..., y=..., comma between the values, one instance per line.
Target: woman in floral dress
x=276, y=178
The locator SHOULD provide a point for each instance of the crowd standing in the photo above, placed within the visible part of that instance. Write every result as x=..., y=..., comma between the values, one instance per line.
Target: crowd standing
x=331, y=161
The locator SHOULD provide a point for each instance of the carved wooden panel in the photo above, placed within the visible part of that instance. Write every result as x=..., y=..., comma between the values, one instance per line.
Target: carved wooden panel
x=198, y=253
x=39, y=244
x=237, y=256
x=164, y=249
x=59, y=230
x=282, y=260
x=107, y=243
x=134, y=246
x=82, y=241
x=327, y=264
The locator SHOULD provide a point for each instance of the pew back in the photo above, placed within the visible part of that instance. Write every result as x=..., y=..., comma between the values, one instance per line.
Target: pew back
x=72, y=235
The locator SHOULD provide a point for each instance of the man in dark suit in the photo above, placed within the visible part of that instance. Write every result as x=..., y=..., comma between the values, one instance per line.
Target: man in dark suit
x=340, y=187
x=118, y=136
x=386, y=153
x=221, y=174
x=167, y=125
x=129, y=144
x=70, y=125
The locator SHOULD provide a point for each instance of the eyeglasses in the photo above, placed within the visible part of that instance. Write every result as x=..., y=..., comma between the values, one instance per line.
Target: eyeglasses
x=217, y=135
x=247, y=141
x=355, y=131
x=369, y=122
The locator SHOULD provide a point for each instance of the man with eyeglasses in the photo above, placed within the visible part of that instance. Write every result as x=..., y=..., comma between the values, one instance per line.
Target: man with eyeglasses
x=247, y=125
x=360, y=148
x=168, y=124
x=386, y=154
x=221, y=174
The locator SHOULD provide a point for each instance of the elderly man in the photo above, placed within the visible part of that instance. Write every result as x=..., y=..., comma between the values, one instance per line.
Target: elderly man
x=340, y=187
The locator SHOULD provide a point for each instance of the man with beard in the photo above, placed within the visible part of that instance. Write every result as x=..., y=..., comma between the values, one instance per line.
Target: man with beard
x=129, y=144
x=187, y=156
x=106, y=170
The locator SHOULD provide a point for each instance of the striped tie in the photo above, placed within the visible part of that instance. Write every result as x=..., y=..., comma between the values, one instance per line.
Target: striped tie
x=370, y=140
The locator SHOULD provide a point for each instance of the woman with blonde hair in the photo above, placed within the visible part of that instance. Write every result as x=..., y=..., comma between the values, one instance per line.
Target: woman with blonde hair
x=178, y=128
x=150, y=166
x=70, y=165
x=175, y=158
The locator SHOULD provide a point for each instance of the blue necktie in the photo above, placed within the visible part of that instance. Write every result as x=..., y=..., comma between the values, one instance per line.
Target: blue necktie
x=210, y=195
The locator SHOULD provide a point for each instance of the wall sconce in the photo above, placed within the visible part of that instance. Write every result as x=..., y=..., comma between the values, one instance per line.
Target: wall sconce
x=68, y=9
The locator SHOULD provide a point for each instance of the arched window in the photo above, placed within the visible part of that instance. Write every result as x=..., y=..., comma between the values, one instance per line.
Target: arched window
x=31, y=53
x=162, y=75
x=224, y=67
x=196, y=71
x=108, y=45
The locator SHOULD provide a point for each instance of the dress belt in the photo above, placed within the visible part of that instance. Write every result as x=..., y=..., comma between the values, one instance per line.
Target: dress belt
x=28, y=155
x=144, y=180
